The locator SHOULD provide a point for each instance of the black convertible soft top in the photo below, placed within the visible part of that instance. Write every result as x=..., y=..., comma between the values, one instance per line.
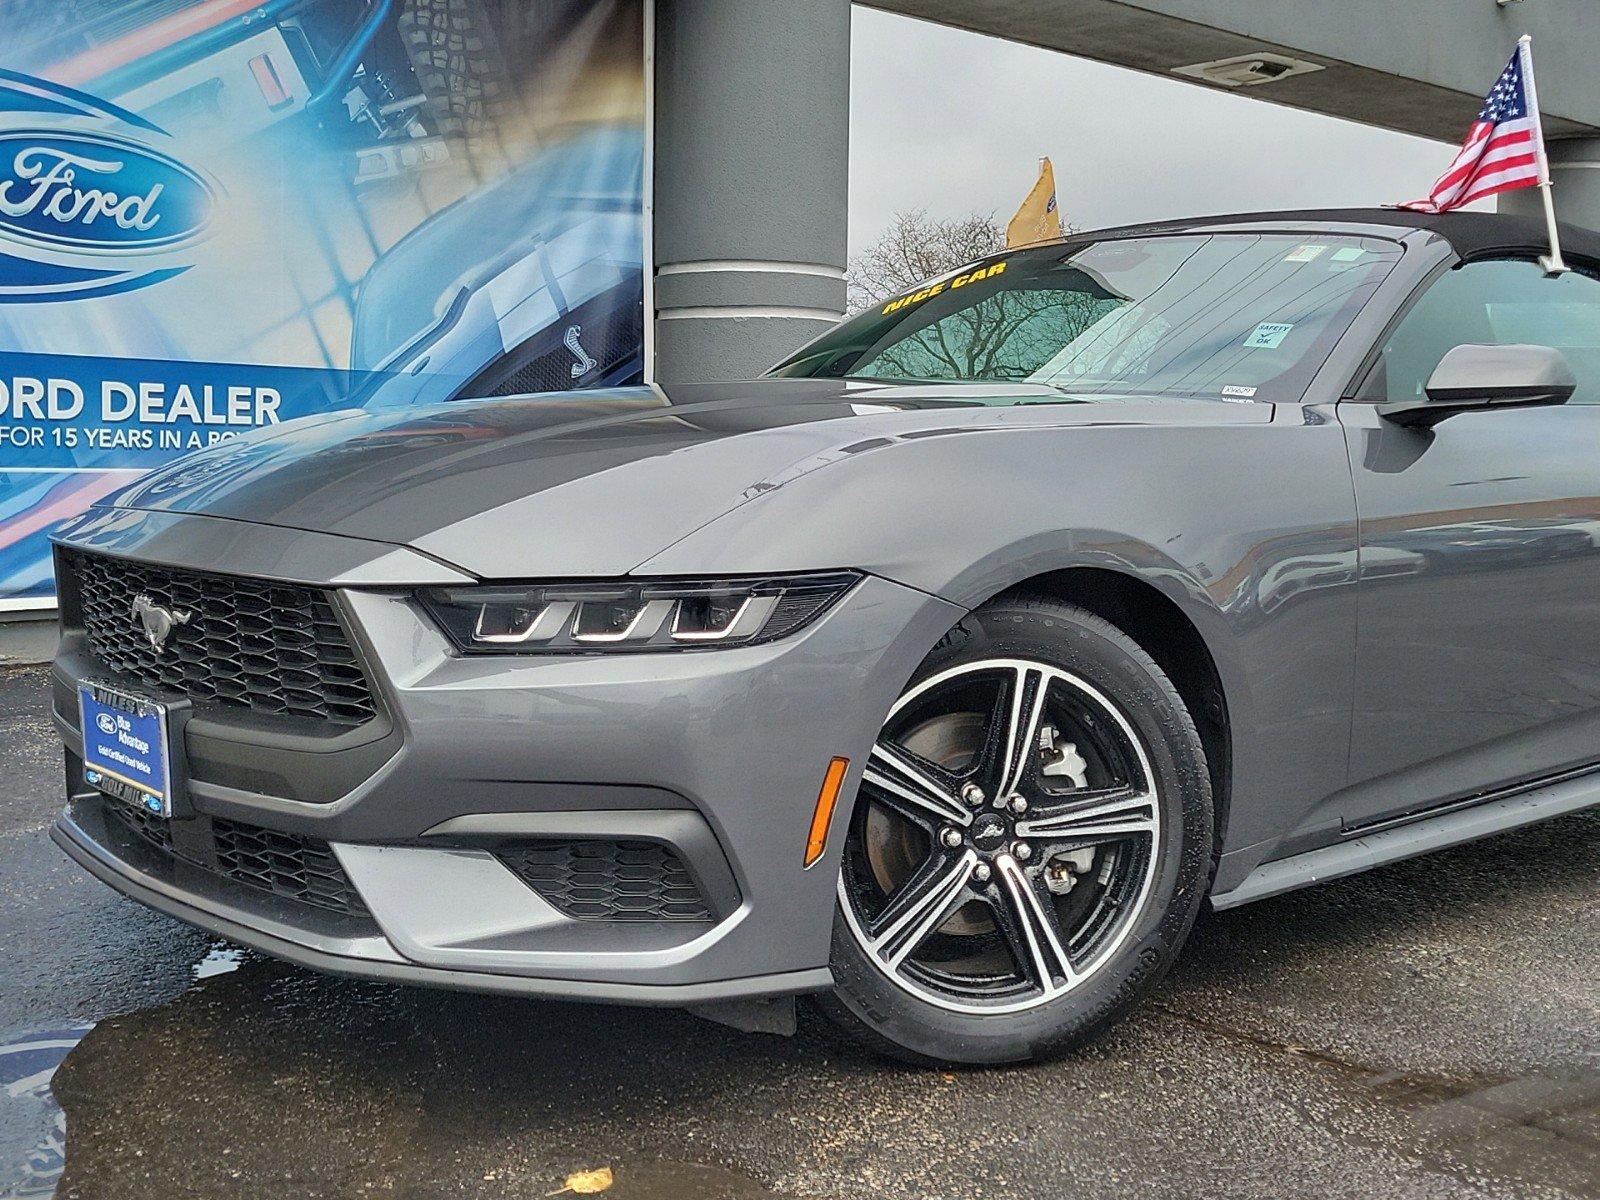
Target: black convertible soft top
x=1472, y=234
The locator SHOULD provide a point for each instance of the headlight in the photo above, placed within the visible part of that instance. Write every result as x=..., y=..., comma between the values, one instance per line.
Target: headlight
x=590, y=618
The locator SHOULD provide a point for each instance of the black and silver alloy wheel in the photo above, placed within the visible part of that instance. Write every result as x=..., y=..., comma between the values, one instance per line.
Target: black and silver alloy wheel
x=1005, y=845
x=1021, y=862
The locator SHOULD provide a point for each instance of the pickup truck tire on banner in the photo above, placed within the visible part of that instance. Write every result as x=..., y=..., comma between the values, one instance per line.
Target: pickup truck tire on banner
x=455, y=52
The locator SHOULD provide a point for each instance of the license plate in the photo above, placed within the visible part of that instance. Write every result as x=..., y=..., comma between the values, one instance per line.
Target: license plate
x=126, y=748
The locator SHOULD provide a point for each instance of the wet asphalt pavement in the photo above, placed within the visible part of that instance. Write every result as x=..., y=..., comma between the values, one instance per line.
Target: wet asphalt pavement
x=1428, y=1030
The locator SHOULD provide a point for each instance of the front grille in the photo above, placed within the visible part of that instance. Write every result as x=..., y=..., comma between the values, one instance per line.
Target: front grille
x=548, y=372
x=608, y=332
x=285, y=864
x=268, y=647
x=593, y=880
x=156, y=830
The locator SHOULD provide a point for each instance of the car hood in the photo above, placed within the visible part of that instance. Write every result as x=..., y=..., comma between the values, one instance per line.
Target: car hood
x=594, y=483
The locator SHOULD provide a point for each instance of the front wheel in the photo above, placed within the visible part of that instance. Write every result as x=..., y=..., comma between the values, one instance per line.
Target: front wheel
x=1030, y=846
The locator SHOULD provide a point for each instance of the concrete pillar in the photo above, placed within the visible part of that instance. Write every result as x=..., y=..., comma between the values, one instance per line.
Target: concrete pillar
x=751, y=181
x=1575, y=178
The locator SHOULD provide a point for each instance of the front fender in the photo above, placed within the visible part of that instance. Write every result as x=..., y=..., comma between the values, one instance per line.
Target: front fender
x=1249, y=527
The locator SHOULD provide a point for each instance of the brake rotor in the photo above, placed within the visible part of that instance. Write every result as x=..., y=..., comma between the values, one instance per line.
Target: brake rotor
x=895, y=847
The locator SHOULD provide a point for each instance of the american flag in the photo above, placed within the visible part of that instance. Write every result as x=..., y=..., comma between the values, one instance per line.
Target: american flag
x=1503, y=151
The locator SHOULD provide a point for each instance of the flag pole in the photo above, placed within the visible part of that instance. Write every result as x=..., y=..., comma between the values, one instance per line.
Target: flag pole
x=1552, y=263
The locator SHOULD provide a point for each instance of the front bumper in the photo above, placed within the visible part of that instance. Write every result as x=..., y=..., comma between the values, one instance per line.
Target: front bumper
x=718, y=755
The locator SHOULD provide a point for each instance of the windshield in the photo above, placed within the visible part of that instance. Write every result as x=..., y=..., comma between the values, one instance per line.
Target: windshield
x=1229, y=315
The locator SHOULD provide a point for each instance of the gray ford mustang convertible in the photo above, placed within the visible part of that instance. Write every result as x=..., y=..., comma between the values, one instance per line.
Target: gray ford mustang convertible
x=943, y=674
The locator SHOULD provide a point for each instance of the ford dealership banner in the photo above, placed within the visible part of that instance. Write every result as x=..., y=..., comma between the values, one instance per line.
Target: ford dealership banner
x=222, y=214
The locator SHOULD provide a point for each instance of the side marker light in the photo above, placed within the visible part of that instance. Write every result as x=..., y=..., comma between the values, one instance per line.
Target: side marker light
x=822, y=816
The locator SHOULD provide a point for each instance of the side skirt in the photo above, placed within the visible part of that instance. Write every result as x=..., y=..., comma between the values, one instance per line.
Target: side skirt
x=1421, y=836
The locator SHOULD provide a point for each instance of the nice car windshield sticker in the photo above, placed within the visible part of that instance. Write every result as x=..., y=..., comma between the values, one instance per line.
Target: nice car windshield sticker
x=936, y=289
x=1304, y=254
x=1268, y=335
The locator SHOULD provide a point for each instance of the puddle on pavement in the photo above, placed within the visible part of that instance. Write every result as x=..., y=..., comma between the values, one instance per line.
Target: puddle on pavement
x=271, y=1080
x=219, y=961
x=33, y=1128
x=107, y=1072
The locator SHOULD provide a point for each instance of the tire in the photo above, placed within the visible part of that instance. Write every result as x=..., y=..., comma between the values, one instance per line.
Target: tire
x=1133, y=853
x=453, y=50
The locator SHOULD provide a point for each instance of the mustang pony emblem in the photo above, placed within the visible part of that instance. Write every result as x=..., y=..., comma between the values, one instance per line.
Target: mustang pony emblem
x=158, y=622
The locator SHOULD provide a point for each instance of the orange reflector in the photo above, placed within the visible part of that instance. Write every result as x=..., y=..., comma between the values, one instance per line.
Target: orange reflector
x=817, y=842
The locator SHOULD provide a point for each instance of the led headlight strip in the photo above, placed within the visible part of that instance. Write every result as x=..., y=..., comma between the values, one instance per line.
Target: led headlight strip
x=626, y=616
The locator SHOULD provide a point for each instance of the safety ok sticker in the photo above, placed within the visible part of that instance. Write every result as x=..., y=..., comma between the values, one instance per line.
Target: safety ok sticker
x=1268, y=335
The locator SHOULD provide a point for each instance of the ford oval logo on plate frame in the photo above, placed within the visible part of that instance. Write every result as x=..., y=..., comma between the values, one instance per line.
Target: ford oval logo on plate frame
x=98, y=193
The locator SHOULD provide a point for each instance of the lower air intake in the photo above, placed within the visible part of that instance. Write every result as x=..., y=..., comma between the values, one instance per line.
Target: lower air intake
x=592, y=880
x=286, y=864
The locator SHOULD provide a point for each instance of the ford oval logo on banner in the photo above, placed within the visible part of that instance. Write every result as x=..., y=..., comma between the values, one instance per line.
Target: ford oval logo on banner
x=94, y=192
x=88, y=205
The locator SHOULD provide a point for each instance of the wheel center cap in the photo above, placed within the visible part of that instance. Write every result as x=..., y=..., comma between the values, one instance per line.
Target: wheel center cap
x=988, y=832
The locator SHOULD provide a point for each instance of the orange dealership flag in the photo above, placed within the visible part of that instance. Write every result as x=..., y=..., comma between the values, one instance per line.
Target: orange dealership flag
x=1038, y=220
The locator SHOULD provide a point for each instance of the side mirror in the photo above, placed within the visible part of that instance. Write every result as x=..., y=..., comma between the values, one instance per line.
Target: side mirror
x=1478, y=378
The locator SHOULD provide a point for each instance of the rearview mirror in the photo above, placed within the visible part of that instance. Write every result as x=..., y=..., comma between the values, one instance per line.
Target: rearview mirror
x=1476, y=378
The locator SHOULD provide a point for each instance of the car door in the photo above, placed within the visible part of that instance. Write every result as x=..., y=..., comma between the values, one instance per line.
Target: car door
x=1478, y=646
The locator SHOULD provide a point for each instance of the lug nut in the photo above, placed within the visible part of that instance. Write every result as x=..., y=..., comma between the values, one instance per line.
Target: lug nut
x=972, y=794
x=1018, y=805
x=981, y=872
x=951, y=837
x=1021, y=851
